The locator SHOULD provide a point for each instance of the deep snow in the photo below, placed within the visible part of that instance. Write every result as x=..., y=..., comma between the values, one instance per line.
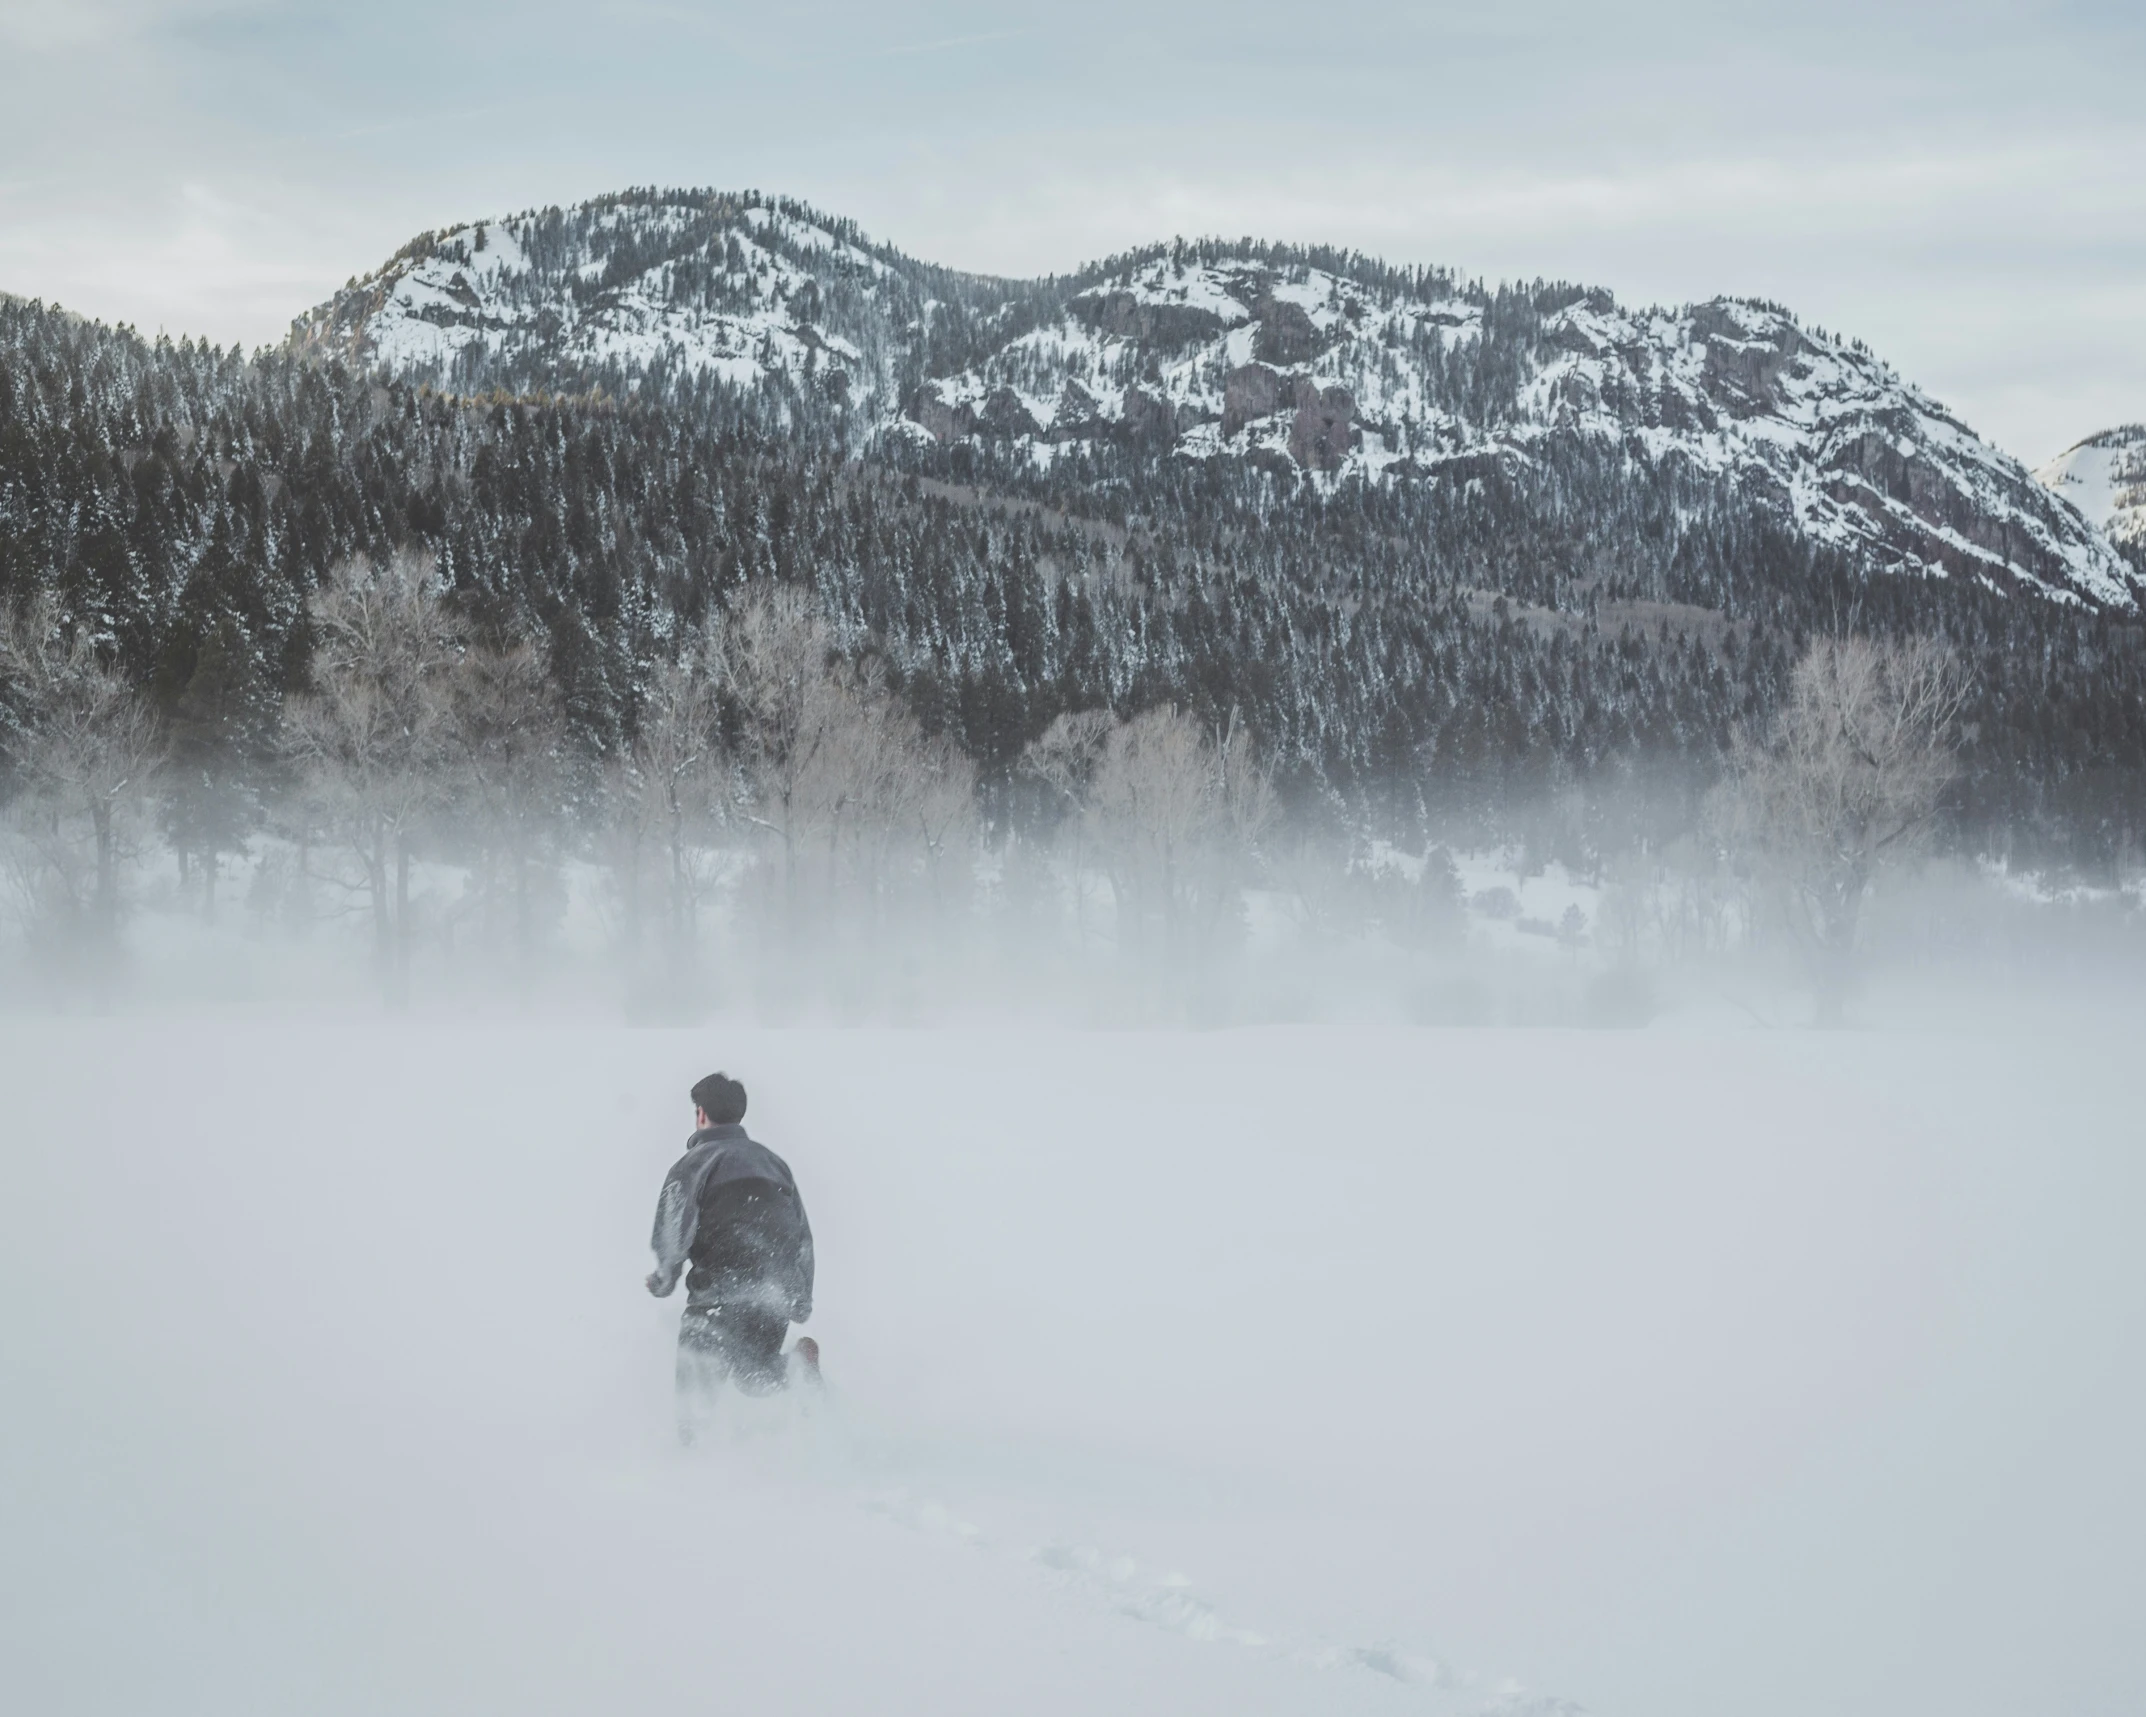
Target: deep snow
x=1308, y=1369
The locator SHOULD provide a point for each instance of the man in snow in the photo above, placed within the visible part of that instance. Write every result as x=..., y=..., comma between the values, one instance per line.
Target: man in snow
x=729, y=1217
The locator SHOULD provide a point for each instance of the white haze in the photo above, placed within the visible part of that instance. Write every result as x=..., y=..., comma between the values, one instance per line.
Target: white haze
x=1711, y=1366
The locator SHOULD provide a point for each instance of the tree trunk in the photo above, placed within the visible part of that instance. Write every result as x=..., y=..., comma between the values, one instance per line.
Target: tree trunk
x=677, y=845
x=789, y=879
x=401, y=990
x=376, y=885
x=1839, y=917
x=635, y=906
x=1831, y=988
x=524, y=931
x=107, y=906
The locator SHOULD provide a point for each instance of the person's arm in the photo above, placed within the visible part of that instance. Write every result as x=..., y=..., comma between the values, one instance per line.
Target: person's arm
x=801, y=1278
x=677, y=1216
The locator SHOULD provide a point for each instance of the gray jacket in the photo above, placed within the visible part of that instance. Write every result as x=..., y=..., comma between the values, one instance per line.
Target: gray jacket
x=730, y=1210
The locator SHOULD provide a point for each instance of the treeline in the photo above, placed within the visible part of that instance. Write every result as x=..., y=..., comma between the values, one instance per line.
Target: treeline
x=1449, y=656
x=780, y=829
x=773, y=782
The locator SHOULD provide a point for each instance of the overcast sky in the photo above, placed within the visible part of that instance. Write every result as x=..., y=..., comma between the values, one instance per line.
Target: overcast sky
x=1962, y=185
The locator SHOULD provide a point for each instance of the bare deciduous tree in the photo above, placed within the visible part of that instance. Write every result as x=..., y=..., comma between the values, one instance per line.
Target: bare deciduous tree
x=1177, y=814
x=507, y=729
x=1848, y=780
x=832, y=760
x=85, y=748
x=1152, y=800
x=764, y=724
x=1064, y=758
x=371, y=736
x=940, y=808
x=775, y=664
x=669, y=793
x=1249, y=804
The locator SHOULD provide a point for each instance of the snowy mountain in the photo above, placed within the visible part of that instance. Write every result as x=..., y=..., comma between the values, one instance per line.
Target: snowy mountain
x=1309, y=364
x=702, y=287
x=2104, y=476
x=1317, y=369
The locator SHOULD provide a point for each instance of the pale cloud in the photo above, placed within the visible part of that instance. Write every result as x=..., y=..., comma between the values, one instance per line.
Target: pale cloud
x=200, y=261
x=1964, y=186
x=67, y=26
x=43, y=26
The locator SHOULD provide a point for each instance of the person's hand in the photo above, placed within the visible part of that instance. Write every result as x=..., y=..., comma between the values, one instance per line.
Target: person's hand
x=658, y=1286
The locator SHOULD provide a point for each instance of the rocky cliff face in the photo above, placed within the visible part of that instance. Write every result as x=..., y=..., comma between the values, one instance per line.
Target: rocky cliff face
x=1313, y=366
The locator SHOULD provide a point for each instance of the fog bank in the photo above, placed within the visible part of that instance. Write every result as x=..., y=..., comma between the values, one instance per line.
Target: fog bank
x=1670, y=1372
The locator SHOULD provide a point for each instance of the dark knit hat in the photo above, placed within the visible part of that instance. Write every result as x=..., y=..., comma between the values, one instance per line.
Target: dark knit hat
x=721, y=1098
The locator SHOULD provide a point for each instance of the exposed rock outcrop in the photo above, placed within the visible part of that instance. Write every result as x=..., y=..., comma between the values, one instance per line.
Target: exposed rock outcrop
x=1127, y=316
x=1150, y=417
x=1287, y=334
x=1078, y=414
x=1324, y=427
x=1006, y=414
x=1744, y=368
x=1250, y=391
x=1324, y=430
x=944, y=422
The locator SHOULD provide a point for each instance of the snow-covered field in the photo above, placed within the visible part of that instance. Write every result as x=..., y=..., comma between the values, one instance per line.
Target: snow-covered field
x=1670, y=1373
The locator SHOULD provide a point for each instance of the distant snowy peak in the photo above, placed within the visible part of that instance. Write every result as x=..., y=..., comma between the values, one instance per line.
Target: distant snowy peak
x=2104, y=476
x=733, y=289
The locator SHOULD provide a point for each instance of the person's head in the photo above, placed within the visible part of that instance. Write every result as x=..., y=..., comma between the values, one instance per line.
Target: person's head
x=719, y=1100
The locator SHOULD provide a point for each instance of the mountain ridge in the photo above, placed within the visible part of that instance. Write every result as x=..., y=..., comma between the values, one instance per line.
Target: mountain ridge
x=1304, y=362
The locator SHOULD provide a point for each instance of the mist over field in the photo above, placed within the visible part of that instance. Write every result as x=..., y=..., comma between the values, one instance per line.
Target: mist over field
x=1287, y=1368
